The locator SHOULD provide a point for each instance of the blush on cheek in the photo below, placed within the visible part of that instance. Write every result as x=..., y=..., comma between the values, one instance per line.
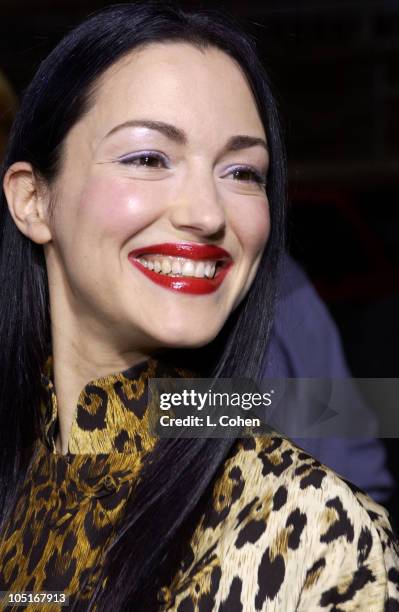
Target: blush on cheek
x=117, y=206
x=255, y=230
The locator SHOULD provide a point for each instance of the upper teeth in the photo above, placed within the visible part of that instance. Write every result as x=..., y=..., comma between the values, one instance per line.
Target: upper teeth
x=178, y=266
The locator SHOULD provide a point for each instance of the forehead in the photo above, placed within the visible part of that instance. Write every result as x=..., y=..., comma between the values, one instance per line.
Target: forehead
x=195, y=88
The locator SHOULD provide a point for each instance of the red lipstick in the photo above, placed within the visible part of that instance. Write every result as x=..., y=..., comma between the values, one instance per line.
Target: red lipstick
x=186, y=250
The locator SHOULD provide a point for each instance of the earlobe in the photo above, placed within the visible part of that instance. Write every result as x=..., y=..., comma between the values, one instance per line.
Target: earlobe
x=27, y=202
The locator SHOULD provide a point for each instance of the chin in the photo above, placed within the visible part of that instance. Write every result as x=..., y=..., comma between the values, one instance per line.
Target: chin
x=184, y=336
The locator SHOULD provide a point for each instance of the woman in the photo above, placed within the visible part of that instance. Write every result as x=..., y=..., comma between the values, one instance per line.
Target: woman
x=138, y=225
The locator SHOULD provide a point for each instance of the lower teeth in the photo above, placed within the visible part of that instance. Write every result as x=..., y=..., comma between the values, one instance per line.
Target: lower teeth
x=182, y=275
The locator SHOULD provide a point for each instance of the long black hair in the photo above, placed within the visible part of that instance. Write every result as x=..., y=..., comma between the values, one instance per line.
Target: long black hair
x=173, y=482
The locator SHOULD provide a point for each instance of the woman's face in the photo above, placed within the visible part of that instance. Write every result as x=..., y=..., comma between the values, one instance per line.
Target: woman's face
x=161, y=211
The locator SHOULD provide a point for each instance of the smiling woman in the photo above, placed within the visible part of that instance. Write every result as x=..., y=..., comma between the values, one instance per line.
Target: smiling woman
x=142, y=217
x=164, y=180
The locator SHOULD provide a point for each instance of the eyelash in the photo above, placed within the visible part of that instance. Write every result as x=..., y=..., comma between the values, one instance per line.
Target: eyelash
x=257, y=177
x=146, y=155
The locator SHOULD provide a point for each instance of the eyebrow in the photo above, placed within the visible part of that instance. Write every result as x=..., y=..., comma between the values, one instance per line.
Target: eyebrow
x=235, y=143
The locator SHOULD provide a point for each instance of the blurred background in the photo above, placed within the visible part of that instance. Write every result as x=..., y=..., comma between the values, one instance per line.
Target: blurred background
x=335, y=69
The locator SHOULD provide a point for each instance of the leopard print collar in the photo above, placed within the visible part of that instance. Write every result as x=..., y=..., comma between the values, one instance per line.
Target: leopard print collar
x=112, y=411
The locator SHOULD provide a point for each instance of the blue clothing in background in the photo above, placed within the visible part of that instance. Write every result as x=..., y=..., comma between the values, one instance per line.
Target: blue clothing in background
x=305, y=344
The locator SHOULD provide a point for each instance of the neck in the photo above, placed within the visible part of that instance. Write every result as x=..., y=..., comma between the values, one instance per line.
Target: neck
x=72, y=369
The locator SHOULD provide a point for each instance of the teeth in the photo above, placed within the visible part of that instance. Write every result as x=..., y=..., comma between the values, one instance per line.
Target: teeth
x=176, y=267
x=209, y=270
x=200, y=270
x=166, y=266
x=188, y=269
x=179, y=267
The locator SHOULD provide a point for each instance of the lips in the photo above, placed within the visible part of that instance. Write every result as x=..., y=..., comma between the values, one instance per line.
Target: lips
x=186, y=251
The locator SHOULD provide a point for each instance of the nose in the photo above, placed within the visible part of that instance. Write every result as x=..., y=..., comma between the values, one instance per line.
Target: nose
x=197, y=207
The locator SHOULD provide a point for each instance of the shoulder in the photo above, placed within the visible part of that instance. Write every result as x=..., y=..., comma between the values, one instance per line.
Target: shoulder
x=286, y=531
x=289, y=480
x=279, y=473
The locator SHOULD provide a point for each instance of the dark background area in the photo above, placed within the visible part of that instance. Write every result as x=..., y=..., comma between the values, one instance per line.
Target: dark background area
x=335, y=68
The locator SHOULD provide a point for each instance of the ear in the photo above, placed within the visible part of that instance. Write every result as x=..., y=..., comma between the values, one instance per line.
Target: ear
x=27, y=201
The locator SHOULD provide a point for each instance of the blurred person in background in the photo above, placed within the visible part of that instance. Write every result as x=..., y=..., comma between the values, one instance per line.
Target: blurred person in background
x=305, y=343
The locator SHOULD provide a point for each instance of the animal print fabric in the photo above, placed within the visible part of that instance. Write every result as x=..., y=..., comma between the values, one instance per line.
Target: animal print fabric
x=70, y=505
x=280, y=531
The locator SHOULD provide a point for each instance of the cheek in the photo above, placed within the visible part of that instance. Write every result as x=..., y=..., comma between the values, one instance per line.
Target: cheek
x=117, y=208
x=252, y=227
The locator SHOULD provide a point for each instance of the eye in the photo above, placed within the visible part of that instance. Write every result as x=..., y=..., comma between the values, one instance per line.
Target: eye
x=145, y=160
x=247, y=174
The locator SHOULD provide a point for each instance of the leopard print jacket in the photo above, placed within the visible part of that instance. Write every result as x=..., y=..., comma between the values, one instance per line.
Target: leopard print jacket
x=280, y=532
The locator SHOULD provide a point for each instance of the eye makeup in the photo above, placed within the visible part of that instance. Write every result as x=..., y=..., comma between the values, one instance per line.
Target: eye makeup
x=149, y=159
x=253, y=175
